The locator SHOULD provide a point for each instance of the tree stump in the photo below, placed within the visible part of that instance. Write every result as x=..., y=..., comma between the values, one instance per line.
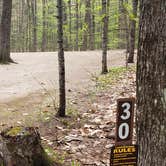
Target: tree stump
x=21, y=146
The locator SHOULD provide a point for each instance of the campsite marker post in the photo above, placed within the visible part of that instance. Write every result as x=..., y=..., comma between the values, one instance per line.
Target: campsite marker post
x=124, y=152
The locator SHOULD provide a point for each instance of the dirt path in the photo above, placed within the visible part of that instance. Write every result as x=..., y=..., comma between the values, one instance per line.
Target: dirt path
x=35, y=70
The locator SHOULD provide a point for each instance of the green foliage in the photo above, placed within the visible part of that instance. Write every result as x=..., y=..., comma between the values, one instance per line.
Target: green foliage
x=129, y=9
x=75, y=163
x=105, y=81
x=22, y=24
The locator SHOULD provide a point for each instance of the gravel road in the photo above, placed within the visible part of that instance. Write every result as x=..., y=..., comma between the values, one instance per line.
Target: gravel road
x=35, y=70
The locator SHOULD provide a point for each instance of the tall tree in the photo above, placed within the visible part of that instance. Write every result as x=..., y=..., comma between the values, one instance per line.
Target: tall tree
x=44, y=37
x=151, y=83
x=34, y=20
x=5, y=29
x=105, y=12
x=77, y=25
x=122, y=25
x=87, y=26
x=61, y=61
x=70, y=23
x=132, y=32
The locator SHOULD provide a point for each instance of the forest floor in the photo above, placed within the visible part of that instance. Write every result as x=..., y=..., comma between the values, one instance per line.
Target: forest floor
x=86, y=135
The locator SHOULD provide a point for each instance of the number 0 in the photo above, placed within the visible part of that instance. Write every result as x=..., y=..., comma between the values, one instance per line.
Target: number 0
x=123, y=131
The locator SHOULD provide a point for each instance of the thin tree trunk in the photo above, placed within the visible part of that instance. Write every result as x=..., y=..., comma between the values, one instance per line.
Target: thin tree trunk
x=34, y=19
x=87, y=27
x=44, y=38
x=132, y=32
x=77, y=25
x=70, y=24
x=151, y=84
x=66, y=44
x=5, y=29
x=92, y=27
x=105, y=9
x=61, y=61
x=122, y=25
x=29, y=24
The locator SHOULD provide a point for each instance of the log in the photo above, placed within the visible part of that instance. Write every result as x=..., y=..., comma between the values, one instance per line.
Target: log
x=21, y=146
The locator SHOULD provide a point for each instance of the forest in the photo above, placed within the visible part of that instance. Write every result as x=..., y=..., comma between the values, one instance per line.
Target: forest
x=34, y=24
x=82, y=82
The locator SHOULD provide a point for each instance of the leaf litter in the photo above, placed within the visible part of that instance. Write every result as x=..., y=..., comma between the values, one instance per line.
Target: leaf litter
x=92, y=133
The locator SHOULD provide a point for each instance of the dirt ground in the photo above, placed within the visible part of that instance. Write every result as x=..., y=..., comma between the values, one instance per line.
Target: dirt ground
x=26, y=95
x=35, y=70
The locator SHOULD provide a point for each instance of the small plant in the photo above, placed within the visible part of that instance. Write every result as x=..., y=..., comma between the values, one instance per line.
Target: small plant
x=75, y=163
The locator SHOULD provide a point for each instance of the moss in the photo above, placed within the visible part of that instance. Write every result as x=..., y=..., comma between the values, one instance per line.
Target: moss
x=14, y=131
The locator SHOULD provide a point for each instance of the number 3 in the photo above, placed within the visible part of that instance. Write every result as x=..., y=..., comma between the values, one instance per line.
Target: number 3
x=126, y=111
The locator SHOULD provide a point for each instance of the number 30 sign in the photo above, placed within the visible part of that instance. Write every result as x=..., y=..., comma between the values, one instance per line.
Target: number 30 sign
x=124, y=121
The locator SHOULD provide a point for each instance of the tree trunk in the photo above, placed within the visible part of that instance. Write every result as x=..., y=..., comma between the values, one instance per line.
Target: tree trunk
x=151, y=84
x=61, y=61
x=34, y=19
x=5, y=29
x=122, y=25
x=87, y=26
x=44, y=38
x=70, y=25
x=105, y=9
x=92, y=26
x=22, y=147
x=66, y=44
x=29, y=25
x=132, y=33
x=77, y=26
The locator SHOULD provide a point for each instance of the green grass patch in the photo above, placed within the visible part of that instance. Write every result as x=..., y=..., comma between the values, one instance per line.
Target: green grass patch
x=114, y=74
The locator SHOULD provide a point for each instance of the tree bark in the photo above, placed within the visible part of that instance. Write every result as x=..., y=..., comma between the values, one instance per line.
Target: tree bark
x=70, y=24
x=22, y=146
x=34, y=20
x=61, y=61
x=122, y=25
x=132, y=32
x=105, y=9
x=44, y=37
x=151, y=84
x=87, y=26
x=77, y=26
x=5, y=29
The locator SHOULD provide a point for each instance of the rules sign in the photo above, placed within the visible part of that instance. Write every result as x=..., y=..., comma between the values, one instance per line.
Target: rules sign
x=124, y=155
x=124, y=121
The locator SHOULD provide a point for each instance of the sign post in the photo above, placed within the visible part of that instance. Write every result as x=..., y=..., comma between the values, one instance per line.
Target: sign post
x=124, y=121
x=124, y=153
